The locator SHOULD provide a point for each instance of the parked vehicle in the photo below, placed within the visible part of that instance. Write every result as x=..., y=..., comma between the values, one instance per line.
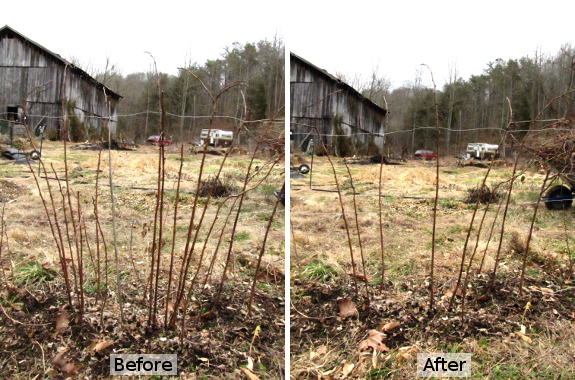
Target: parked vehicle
x=425, y=155
x=155, y=140
x=482, y=151
x=217, y=137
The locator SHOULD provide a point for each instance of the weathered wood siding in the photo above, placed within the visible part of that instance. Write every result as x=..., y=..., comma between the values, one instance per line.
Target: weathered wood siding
x=309, y=85
x=24, y=66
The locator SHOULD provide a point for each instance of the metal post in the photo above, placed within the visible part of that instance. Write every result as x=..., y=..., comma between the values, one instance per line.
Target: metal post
x=311, y=168
x=41, y=142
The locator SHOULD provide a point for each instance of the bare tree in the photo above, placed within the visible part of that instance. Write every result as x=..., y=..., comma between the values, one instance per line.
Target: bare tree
x=450, y=92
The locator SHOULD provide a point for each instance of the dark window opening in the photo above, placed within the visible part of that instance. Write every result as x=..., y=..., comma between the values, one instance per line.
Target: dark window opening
x=13, y=114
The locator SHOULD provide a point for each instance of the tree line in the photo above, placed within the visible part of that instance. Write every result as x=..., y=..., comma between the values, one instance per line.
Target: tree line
x=476, y=109
x=188, y=107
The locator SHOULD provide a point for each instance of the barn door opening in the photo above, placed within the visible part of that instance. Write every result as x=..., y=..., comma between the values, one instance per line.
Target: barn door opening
x=13, y=114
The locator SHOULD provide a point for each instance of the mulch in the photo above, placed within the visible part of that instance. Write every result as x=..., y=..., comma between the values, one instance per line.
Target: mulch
x=315, y=317
x=216, y=345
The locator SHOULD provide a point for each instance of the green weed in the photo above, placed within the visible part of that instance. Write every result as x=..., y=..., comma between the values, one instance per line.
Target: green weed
x=319, y=271
x=34, y=272
x=448, y=203
x=240, y=236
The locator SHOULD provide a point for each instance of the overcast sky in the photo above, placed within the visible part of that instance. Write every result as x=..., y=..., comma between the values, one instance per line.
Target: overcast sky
x=398, y=36
x=124, y=30
x=349, y=37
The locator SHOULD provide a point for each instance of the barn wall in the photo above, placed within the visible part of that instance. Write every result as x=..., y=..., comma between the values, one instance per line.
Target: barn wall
x=90, y=100
x=308, y=86
x=17, y=53
x=23, y=66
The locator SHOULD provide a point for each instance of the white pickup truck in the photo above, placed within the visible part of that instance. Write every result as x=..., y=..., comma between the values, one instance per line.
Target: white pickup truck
x=482, y=150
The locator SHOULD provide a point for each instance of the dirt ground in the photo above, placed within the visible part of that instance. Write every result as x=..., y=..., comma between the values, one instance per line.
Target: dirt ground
x=216, y=345
x=510, y=336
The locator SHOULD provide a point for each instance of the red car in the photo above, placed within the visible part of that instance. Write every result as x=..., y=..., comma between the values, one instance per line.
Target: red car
x=425, y=155
x=155, y=140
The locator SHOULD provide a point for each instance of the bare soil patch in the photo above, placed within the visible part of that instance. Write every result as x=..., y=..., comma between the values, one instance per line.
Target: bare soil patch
x=9, y=191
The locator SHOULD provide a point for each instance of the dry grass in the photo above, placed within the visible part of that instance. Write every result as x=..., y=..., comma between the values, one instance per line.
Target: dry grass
x=407, y=222
x=29, y=233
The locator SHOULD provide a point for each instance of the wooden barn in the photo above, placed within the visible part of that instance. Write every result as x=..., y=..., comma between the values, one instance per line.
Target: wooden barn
x=360, y=117
x=26, y=65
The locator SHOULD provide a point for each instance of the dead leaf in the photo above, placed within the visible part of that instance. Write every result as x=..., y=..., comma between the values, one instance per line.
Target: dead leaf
x=449, y=291
x=99, y=346
x=322, y=350
x=347, y=368
x=374, y=341
x=15, y=307
x=249, y=374
x=270, y=275
x=407, y=353
x=250, y=365
x=62, y=320
x=264, y=277
x=483, y=297
x=68, y=369
x=361, y=277
x=547, y=291
x=327, y=373
x=170, y=305
x=401, y=357
x=257, y=331
x=388, y=326
x=47, y=266
x=51, y=372
x=523, y=337
x=346, y=308
x=409, y=349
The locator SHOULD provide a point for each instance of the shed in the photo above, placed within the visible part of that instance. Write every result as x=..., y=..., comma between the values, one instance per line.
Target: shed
x=310, y=86
x=26, y=65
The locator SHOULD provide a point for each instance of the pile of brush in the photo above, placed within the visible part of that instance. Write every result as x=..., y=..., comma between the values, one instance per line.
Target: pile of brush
x=558, y=147
x=486, y=195
x=217, y=187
